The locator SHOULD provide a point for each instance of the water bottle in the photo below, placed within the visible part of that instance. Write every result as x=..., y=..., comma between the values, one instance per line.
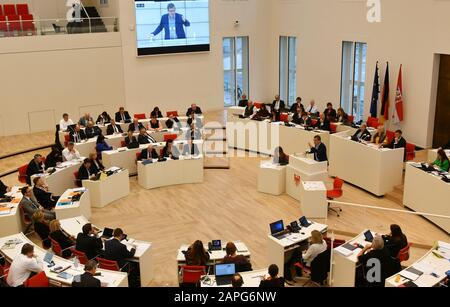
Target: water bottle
x=76, y=262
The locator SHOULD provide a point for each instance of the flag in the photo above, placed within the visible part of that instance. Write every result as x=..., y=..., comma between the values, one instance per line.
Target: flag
x=375, y=94
x=398, y=111
x=385, y=96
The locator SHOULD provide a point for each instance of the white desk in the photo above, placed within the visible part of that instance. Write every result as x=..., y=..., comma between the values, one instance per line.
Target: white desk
x=345, y=262
x=271, y=178
x=314, y=199
x=234, y=112
x=108, y=278
x=65, y=208
x=89, y=146
x=427, y=193
x=278, y=249
x=10, y=220
x=375, y=170
x=303, y=169
x=112, y=188
x=143, y=255
x=186, y=170
x=432, y=155
x=63, y=178
x=251, y=280
x=428, y=264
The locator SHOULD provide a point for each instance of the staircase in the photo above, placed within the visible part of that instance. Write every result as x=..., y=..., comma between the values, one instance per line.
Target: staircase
x=97, y=25
x=216, y=147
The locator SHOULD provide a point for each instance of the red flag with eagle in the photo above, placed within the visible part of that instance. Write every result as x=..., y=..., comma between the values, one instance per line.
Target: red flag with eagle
x=398, y=112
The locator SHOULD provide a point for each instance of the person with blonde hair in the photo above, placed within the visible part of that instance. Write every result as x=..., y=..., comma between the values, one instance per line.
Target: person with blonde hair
x=41, y=228
x=64, y=240
x=316, y=247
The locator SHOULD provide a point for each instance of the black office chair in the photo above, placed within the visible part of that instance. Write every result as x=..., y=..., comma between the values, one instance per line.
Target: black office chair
x=243, y=267
x=320, y=267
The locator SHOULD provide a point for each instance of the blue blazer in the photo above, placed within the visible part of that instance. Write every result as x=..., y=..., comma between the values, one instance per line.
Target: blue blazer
x=164, y=24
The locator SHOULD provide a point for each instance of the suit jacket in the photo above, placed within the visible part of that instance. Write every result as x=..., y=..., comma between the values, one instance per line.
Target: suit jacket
x=92, y=132
x=110, y=129
x=96, y=169
x=86, y=281
x=3, y=188
x=282, y=105
x=198, y=111
x=145, y=139
x=243, y=103
x=179, y=24
x=295, y=106
x=44, y=198
x=83, y=173
x=325, y=126
x=53, y=158
x=320, y=153
x=330, y=114
x=401, y=144
x=132, y=127
x=365, y=136
x=103, y=120
x=81, y=136
x=89, y=245
x=33, y=169
x=191, y=150
x=30, y=206
x=133, y=140
x=175, y=152
x=116, y=251
x=126, y=115
x=274, y=283
x=146, y=156
x=249, y=111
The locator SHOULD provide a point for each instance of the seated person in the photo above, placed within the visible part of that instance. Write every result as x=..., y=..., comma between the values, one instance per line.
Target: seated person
x=261, y=114
x=96, y=164
x=190, y=149
x=319, y=150
x=194, y=108
x=237, y=281
x=279, y=157
x=40, y=225
x=154, y=124
x=173, y=122
x=42, y=194
x=380, y=137
x=193, y=118
x=102, y=146
x=442, y=161
x=23, y=265
x=278, y=105
x=323, y=123
x=249, y=110
x=30, y=205
x=156, y=113
x=330, y=113
x=312, y=109
x=4, y=189
x=135, y=126
x=149, y=153
x=131, y=139
x=78, y=135
x=395, y=241
x=272, y=281
x=297, y=105
x=87, y=280
x=84, y=172
x=276, y=116
x=342, y=117
x=65, y=122
x=398, y=142
x=88, y=242
x=70, y=153
x=316, y=247
x=306, y=120
x=117, y=251
x=83, y=122
x=122, y=116
x=103, y=119
x=241, y=262
x=297, y=117
x=243, y=102
x=197, y=255
x=362, y=134
x=64, y=240
x=54, y=157
x=145, y=138
x=170, y=151
x=92, y=131
x=113, y=128
x=36, y=166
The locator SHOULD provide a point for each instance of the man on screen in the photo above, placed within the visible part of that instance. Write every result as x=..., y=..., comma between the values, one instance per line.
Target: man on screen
x=173, y=24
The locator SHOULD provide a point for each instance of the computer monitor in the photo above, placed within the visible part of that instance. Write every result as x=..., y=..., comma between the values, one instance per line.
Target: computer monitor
x=217, y=244
x=107, y=233
x=48, y=258
x=276, y=227
x=304, y=222
x=368, y=235
x=228, y=269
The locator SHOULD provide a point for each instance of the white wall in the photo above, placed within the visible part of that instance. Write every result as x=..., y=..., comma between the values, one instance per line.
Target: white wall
x=411, y=33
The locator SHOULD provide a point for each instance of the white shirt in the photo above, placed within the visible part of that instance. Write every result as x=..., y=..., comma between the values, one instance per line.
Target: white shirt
x=21, y=269
x=311, y=109
x=63, y=125
x=70, y=156
x=313, y=251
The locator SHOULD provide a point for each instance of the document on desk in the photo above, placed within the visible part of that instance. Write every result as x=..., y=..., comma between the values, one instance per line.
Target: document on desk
x=241, y=248
x=106, y=281
x=314, y=186
x=344, y=251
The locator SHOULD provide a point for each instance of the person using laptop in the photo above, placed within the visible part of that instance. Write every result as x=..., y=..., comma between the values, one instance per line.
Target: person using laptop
x=395, y=241
x=88, y=242
x=23, y=266
x=241, y=262
x=237, y=281
x=272, y=280
x=63, y=239
x=87, y=280
x=197, y=255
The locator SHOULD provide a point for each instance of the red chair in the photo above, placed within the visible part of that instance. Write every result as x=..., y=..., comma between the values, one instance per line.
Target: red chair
x=403, y=255
x=170, y=137
x=26, y=220
x=192, y=274
x=9, y=9
x=314, y=122
x=138, y=156
x=172, y=113
x=14, y=23
x=37, y=281
x=372, y=122
x=108, y=264
x=1, y=10
x=28, y=23
x=78, y=183
x=22, y=9
x=3, y=24
x=351, y=119
x=410, y=152
x=333, y=128
x=56, y=247
x=81, y=256
x=123, y=144
x=390, y=136
x=23, y=174
x=3, y=273
x=336, y=242
x=258, y=105
x=335, y=193
x=284, y=117
x=140, y=116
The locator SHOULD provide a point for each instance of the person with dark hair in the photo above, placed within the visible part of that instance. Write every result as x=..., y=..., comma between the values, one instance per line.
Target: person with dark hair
x=4, y=189
x=196, y=255
x=249, y=109
x=113, y=128
x=330, y=113
x=319, y=150
x=297, y=117
x=70, y=153
x=156, y=113
x=243, y=101
x=87, y=279
x=36, y=166
x=42, y=194
x=297, y=105
x=23, y=266
x=122, y=116
x=149, y=153
x=398, y=142
x=323, y=123
x=103, y=119
x=278, y=105
x=395, y=241
x=154, y=124
x=65, y=122
x=272, y=281
x=102, y=146
x=117, y=251
x=30, y=205
x=342, y=117
x=130, y=139
x=145, y=138
x=171, y=121
x=54, y=157
x=241, y=262
x=279, y=157
x=92, y=131
x=362, y=134
x=84, y=172
x=96, y=164
x=78, y=135
x=193, y=118
x=170, y=151
x=85, y=119
x=237, y=281
x=194, y=108
x=442, y=161
x=173, y=24
x=88, y=242
x=135, y=126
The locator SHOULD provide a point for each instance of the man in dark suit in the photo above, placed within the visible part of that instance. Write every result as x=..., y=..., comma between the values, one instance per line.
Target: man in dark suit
x=243, y=102
x=145, y=138
x=173, y=24
x=249, y=109
x=117, y=251
x=113, y=128
x=43, y=195
x=36, y=166
x=398, y=142
x=296, y=105
x=84, y=172
x=319, y=150
x=88, y=242
x=194, y=108
x=96, y=165
x=123, y=116
x=149, y=153
x=30, y=205
x=190, y=149
x=362, y=134
x=135, y=126
x=92, y=131
x=87, y=280
x=131, y=139
x=306, y=120
x=78, y=135
x=278, y=105
x=330, y=113
x=323, y=123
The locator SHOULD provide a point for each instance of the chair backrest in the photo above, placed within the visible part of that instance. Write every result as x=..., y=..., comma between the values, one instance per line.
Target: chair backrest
x=338, y=184
x=372, y=122
x=351, y=119
x=3, y=25
x=56, y=247
x=123, y=144
x=171, y=137
x=192, y=274
x=410, y=152
x=14, y=22
x=75, y=175
x=336, y=243
x=140, y=116
x=258, y=105
x=390, y=135
x=9, y=9
x=284, y=117
x=1, y=10
x=138, y=156
x=23, y=174
x=81, y=256
x=37, y=281
x=108, y=264
x=333, y=128
x=314, y=122
x=320, y=267
x=403, y=255
x=172, y=113
x=26, y=220
x=3, y=273
x=22, y=9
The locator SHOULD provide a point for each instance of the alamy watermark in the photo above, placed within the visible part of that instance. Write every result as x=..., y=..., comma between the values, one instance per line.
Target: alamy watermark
x=374, y=13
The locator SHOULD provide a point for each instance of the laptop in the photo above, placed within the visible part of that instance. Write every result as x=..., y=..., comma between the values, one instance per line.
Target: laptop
x=225, y=273
x=216, y=245
x=368, y=236
x=277, y=230
x=107, y=233
x=48, y=258
x=304, y=222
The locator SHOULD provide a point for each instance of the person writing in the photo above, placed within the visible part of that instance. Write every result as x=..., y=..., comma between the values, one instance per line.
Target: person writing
x=279, y=157
x=115, y=250
x=362, y=134
x=272, y=280
x=395, y=241
x=103, y=119
x=442, y=161
x=23, y=266
x=70, y=153
x=196, y=255
x=318, y=149
x=84, y=172
x=241, y=262
x=173, y=24
x=123, y=116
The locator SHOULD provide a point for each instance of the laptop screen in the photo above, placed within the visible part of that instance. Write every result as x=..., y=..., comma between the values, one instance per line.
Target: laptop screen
x=217, y=243
x=304, y=222
x=225, y=269
x=276, y=227
x=368, y=235
x=107, y=232
x=48, y=258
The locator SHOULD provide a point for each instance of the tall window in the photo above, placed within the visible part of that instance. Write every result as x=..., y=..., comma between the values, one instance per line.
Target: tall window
x=288, y=69
x=353, y=78
x=235, y=69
